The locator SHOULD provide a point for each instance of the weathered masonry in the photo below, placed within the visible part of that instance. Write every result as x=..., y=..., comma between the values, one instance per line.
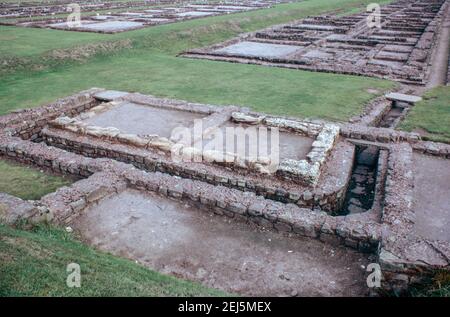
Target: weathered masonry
x=311, y=194
x=120, y=19
x=400, y=49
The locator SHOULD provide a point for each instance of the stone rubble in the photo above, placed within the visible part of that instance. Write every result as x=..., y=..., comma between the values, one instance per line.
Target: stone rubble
x=280, y=205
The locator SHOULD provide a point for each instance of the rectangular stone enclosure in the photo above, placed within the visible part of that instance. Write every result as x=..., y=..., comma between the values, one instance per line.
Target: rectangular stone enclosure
x=228, y=224
x=143, y=120
x=399, y=49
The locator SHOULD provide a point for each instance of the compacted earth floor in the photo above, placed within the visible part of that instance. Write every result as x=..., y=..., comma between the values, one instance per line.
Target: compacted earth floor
x=142, y=120
x=432, y=197
x=178, y=239
x=285, y=144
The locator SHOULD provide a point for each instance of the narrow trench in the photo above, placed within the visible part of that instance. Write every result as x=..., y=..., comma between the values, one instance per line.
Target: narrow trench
x=394, y=115
x=361, y=189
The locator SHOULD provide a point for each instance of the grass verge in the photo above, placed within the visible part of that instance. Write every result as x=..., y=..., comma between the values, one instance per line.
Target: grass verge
x=33, y=263
x=27, y=182
x=431, y=116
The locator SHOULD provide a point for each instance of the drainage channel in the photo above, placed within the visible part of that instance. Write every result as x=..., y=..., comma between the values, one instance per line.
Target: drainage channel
x=361, y=189
x=393, y=117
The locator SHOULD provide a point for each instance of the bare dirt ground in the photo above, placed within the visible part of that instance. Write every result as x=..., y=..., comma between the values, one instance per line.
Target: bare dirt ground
x=439, y=64
x=219, y=252
x=431, y=197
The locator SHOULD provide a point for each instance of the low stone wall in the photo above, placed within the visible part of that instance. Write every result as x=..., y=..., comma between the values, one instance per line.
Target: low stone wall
x=360, y=234
x=28, y=123
x=342, y=43
x=308, y=170
x=51, y=158
x=385, y=135
x=174, y=104
x=374, y=112
x=272, y=203
x=328, y=198
x=67, y=203
x=405, y=258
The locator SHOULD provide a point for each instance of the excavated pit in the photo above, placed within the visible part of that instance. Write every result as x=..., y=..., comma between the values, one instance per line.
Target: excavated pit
x=219, y=252
x=258, y=49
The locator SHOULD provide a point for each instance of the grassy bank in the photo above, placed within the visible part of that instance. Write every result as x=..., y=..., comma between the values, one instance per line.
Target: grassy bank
x=28, y=183
x=438, y=286
x=431, y=116
x=33, y=263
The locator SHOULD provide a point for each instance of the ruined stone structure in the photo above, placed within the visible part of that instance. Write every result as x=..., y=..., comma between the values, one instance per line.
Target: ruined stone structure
x=400, y=49
x=68, y=137
x=146, y=14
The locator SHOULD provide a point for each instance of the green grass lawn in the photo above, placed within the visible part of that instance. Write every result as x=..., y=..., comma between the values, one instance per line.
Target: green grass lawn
x=431, y=117
x=27, y=182
x=33, y=263
x=19, y=41
x=151, y=66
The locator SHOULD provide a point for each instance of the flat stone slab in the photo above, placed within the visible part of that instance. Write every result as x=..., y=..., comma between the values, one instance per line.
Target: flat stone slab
x=317, y=27
x=219, y=252
x=112, y=26
x=154, y=11
x=110, y=95
x=317, y=54
x=194, y=14
x=131, y=14
x=403, y=98
x=432, y=197
x=258, y=49
x=13, y=208
x=143, y=120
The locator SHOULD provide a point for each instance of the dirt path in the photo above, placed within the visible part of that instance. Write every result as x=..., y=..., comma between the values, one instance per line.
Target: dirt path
x=439, y=67
x=220, y=252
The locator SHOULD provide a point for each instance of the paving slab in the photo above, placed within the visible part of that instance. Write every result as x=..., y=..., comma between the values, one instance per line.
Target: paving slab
x=258, y=49
x=112, y=26
x=394, y=96
x=109, y=95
